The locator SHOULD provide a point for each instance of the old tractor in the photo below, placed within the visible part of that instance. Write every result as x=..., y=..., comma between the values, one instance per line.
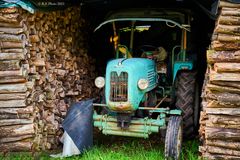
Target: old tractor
x=150, y=86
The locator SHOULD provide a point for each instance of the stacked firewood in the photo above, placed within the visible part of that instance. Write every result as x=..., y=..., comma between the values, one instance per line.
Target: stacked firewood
x=16, y=115
x=220, y=116
x=45, y=68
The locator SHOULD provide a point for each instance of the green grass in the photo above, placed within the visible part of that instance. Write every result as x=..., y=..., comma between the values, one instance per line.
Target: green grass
x=120, y=148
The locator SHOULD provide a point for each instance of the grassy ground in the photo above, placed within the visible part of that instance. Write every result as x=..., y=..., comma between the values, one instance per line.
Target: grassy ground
x=120, y=148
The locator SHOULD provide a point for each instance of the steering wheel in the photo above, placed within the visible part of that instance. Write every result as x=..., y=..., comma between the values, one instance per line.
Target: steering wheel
x=146, y=49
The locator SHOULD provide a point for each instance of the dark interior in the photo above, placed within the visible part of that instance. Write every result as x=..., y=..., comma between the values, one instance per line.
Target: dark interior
x=202, y=24
x=204, y=13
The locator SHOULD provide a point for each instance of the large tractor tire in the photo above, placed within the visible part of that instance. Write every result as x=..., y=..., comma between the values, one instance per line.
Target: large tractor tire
x=173, y=139
x=187, y=100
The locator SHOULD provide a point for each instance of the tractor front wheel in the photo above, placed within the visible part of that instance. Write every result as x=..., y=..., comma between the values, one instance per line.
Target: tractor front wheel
x=173, y=139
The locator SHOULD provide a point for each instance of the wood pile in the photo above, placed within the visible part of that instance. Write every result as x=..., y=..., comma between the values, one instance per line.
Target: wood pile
x=44, y=67
x=220, y=116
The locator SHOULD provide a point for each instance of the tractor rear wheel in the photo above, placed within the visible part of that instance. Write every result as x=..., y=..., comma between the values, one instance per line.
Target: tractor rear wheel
x=185, y=100
x=173, y=139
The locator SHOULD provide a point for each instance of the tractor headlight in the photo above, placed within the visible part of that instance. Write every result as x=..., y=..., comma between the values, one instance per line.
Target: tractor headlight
x=143, y=84
x=100, y=82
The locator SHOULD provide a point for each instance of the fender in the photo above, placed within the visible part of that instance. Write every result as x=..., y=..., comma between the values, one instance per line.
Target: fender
x=181, y=65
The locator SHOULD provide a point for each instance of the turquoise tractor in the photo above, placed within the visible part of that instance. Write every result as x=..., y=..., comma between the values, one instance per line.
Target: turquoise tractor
x=147, y=88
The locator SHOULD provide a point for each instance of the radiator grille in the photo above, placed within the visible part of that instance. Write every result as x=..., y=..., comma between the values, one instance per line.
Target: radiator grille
x=119, y=87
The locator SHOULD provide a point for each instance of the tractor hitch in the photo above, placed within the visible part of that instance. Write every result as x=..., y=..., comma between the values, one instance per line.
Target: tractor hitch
x=137, y=127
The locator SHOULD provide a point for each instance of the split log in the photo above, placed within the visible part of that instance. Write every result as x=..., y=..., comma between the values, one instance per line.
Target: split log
x=16, y=146
x=225, y=37
x=9, y=65
x=17, y=130
x=220, y=150
x=9, y=10
x=225, y=97
x=230, y=12
x=12, y=38
x=235, y=85
x=34, y=38
x=15, y=96
x=222, y=134
x=229, y=20
x=223, y=111
x=15, y=31
x=224, y=144
x=223, y=121
x=228, y=126
x=12, y=56
x=9, y=122
x=26, y=110
x=214, y=76
x=13, y=73
x=15, y=116
x=7, y=20
x=226, y=29
x=16, y=15
x=15, y=139
x=38, y=62
x=227, y=67
x=11, y=25
x=223, y=88
x=13, y=79
x=217, y=104
x=223, y=56
x=225, y=46
x=228, y=4
x=209, y=156
x=21, y=72
x=14, y=50
x=12, y=103
x=12, y=44
x=13, y=88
